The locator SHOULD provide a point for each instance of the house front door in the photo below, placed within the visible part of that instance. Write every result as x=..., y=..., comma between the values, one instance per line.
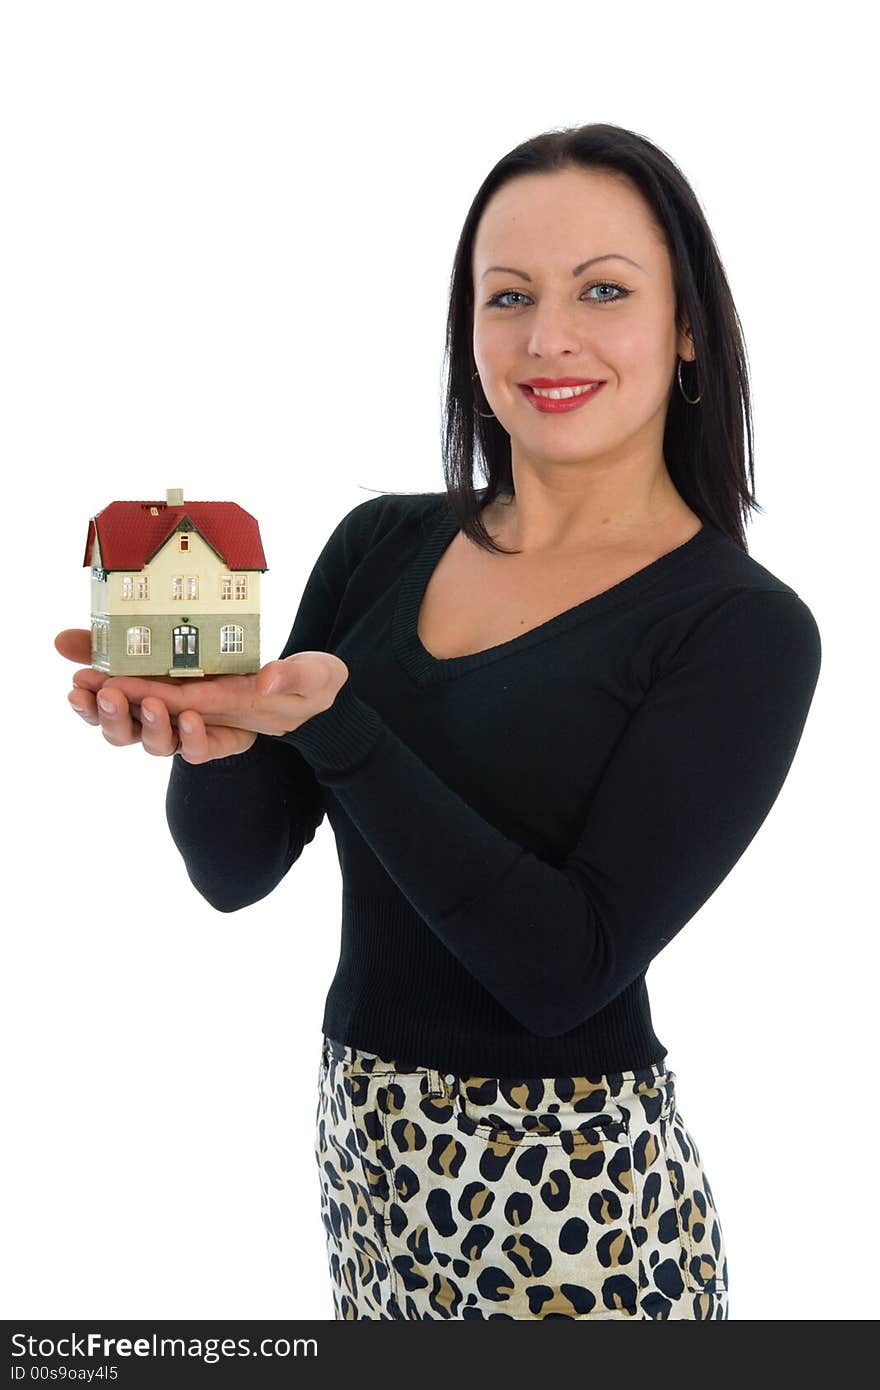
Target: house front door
x=186, y=646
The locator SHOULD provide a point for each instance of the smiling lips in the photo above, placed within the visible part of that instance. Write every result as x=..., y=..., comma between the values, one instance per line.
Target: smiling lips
x=553, y=400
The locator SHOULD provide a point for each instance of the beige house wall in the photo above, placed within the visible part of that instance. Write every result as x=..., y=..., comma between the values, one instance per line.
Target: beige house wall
x=200, y=560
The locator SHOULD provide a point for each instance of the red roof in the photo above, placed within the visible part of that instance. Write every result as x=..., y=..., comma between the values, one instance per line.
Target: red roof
x=130, y=534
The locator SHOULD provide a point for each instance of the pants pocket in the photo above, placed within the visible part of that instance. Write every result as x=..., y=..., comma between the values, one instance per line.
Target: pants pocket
x=704, y=1264
x=482, y=1217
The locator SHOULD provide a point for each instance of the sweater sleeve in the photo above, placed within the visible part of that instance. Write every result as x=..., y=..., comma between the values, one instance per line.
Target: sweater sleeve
x=241, y=822
x=688, y=784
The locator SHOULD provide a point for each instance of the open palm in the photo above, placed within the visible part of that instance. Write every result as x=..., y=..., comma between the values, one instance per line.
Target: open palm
x=226, y=712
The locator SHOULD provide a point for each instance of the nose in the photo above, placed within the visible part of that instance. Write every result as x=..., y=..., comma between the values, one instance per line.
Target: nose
x=554, y=332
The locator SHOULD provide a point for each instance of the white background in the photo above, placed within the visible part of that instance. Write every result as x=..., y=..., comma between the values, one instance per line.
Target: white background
x=225, y=247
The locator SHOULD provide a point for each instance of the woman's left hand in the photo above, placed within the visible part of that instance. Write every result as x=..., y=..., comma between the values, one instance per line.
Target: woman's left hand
x=274, y=700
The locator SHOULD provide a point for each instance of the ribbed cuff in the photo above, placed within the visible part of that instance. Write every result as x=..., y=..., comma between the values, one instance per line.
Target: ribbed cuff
x=339, y=739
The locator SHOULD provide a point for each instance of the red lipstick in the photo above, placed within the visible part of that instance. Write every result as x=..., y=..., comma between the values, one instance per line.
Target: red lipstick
x=549, y=406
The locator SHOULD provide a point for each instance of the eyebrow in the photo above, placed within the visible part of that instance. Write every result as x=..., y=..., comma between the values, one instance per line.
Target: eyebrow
x=578, y=269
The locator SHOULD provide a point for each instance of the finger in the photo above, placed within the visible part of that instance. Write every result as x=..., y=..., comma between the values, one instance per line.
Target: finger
x=132, y=687
x=175, y=693
x=270, y=678
x=84, y=704
x=75, y=643
x=193, y=734
x=139, y=687
x=158, y=734
x=89, y=679
x=219, y=700
x=117, y=725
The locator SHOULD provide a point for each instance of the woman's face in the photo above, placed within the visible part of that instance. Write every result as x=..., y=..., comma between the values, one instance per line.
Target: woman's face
x=548, y=314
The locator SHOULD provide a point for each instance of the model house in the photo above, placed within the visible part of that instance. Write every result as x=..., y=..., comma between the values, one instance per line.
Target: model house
x=175, y=588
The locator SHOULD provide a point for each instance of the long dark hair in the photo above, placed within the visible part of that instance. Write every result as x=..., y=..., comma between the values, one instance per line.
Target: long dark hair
x=702, y=444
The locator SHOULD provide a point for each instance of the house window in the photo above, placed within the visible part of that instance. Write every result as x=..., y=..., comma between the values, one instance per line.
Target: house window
x=137, y=641
x=177, y=586
x=231, y=639
x=236, y=582
x=99, y=641
x=143, y=586
x=192, y=586
x=183, y=541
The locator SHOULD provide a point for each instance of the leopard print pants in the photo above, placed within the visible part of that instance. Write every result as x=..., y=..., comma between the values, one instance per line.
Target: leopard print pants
x=447, y=1196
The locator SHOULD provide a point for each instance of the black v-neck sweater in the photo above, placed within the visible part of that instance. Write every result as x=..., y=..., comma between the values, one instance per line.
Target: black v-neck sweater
x=520, y=831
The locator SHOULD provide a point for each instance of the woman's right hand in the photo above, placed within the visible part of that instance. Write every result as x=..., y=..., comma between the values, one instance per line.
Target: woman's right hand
x=160, y=735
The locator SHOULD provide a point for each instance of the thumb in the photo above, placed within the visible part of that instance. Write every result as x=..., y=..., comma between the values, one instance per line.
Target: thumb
x=309, y=674
x=272, y=678
x=276, y=677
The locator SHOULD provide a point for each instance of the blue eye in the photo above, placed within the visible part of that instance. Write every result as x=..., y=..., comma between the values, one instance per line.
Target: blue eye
x=495, y=301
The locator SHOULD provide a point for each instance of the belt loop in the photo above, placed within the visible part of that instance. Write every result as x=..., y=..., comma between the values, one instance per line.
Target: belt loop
x=436, y=1085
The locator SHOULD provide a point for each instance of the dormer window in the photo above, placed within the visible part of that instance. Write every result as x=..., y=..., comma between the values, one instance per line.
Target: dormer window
x=183, y=540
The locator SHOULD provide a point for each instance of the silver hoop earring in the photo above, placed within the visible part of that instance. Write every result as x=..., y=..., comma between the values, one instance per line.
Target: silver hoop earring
x=681, y=388
x=490, y=416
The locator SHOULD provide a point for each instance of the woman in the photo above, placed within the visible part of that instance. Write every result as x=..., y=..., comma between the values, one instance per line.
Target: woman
x=544, y=723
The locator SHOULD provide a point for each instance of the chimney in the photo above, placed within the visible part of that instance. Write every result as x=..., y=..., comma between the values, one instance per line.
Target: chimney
x=174, y=496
